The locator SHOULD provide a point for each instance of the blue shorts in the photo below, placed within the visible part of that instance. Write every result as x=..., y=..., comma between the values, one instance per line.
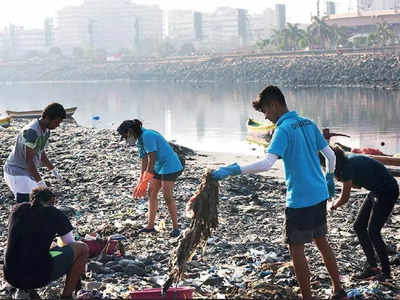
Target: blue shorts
x=63, y=258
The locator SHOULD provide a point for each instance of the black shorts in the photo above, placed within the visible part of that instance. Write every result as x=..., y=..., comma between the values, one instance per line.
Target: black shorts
x=303, y=224
x=167, y=177
x=63, y=257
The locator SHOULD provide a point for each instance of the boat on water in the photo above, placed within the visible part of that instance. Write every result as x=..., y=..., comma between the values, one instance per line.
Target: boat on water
x=259, y=133
x=5, y=121
x=32, y=114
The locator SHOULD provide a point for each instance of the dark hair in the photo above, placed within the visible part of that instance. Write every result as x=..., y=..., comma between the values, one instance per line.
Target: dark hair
x=135, y=125
x=40, y=195
x=269, y=94
x=341, y=160
x=54, y=111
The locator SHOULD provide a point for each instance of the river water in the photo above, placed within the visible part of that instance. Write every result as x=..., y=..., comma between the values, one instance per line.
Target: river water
x=212, y=117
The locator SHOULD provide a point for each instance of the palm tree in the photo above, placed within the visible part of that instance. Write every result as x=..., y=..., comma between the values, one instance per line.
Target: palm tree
x=321, y=30
x=340, y=35
x=276, y=38
x=307, y=38
x=262, y=44
x=384, y=34
x=294, y=34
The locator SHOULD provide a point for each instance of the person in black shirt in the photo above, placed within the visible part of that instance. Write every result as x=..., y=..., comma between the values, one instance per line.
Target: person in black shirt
x=29, y=261
x=355, y=170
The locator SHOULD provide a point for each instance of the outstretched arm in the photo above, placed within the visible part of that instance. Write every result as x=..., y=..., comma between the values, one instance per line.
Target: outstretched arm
x=235, y=169
x=345, y=195
x=260, y=166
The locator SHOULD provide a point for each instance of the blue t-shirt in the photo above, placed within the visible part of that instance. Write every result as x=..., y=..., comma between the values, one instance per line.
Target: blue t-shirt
x=167, y=161
x=297, y=141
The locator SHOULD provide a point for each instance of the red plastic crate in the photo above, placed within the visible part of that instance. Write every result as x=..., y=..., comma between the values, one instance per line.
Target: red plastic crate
x=180, y=293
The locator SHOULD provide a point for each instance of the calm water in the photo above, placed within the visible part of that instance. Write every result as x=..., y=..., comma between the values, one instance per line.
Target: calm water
x=212, y=117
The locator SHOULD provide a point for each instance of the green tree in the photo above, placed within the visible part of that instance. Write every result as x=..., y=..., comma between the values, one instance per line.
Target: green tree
x=262, y=44
x=321, y=31
x=384, y=34
x=294, y=34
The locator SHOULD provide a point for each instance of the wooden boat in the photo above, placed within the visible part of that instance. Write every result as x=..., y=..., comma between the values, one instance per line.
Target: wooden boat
x=259, y=133
x=35, y=113
x=5, y=121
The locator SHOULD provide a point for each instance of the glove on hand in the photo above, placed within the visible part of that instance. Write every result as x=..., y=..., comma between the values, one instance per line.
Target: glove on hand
x=42, y=183
x=141, y=189
x=224, y=172
x=58, y=176
x=331, y=184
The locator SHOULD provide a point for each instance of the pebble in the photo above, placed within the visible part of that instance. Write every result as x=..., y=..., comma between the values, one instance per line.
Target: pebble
x=244, y=258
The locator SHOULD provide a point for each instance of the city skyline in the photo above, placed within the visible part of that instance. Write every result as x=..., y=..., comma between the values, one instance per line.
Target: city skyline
x=31, y=14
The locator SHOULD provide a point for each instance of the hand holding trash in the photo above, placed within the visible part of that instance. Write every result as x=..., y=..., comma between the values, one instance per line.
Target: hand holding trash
x=141, y=188
x=42, y=184
x=59, y=178
x=226, y=171
x=331, y=184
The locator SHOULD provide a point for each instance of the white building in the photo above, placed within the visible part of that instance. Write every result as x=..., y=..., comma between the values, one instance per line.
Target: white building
x=15, y=41
x=111, y=25
x=226, y=28
x=261, y=25
x=280, y=15
x=181, y=25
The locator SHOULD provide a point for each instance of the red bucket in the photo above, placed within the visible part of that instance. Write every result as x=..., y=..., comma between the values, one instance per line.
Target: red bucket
x=180, y=293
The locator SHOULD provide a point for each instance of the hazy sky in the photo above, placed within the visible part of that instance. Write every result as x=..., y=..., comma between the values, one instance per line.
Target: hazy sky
x=31, y=13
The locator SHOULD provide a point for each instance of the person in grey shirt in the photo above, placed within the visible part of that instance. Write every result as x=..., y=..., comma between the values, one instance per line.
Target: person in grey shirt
x=21, y=168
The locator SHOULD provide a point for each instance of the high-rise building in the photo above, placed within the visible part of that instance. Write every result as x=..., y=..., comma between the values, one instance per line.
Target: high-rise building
x=184, y=25
x=330, y=8
x=280, y=16
x=261, y=25
x=226, y=28
x=109, y=24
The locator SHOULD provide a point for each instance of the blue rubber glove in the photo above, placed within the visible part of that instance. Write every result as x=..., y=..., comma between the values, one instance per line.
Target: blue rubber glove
x=224, y=172
x=331, y=184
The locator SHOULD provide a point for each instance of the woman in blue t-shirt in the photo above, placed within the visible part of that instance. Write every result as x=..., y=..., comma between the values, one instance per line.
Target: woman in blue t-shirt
x=355, y=170
x=160, y=165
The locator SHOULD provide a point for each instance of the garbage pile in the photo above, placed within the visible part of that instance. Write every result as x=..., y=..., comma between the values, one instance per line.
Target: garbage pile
x=244, y=257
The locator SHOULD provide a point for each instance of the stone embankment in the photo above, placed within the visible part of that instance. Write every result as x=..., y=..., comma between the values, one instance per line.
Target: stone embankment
x=369, y=70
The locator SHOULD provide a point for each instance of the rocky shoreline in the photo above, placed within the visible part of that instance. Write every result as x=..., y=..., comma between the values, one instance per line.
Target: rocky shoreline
x=245, y=256
x=356, y=70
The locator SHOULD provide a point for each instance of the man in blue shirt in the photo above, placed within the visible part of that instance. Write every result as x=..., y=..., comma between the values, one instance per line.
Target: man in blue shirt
x=297, y=141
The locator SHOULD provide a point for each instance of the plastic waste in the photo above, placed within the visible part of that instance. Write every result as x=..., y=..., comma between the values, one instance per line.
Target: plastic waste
x=96, y=122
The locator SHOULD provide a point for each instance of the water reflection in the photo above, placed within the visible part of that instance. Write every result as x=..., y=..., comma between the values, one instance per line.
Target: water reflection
x=212, y=117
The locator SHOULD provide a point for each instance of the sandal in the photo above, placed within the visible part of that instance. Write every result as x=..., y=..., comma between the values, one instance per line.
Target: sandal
x=147, y=230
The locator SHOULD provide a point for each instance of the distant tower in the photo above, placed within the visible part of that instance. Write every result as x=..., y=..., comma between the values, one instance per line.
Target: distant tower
x=49, y=32
x=330, y=8
x=280, y=16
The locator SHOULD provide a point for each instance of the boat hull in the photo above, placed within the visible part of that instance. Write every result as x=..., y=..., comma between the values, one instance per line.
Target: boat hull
x=35, y=113
x=259, y=133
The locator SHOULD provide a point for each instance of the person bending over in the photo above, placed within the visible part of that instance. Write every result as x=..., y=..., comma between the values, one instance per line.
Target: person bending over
x=355, y=170
x=30, y=263
x=160, y=165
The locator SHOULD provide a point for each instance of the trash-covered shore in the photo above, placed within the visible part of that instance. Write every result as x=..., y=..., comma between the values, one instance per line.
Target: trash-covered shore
x=245, y=256
x=358, y=70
